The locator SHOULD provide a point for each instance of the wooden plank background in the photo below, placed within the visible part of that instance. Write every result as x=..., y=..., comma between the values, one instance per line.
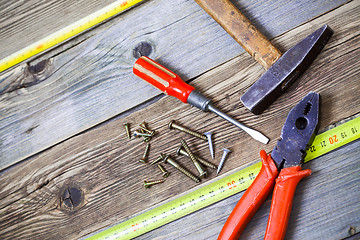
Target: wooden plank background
x=25, y=22
x=93, y=81
x=104, y=165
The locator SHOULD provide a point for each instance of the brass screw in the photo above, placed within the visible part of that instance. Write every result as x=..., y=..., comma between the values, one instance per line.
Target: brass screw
x=181, y=151
x=172, y=124
x=201, y=171
x=148, y=184
x=143, y=127
x=164, y=172
x=168, y=159
x=144, y=157
x=157, y=160
x=127, y=129
x=140, y=134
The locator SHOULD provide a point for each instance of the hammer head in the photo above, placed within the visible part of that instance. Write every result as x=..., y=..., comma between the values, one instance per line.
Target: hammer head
x=285, y=70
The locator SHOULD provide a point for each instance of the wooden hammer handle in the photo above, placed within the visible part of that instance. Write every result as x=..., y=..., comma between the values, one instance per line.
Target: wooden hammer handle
x=241, y=29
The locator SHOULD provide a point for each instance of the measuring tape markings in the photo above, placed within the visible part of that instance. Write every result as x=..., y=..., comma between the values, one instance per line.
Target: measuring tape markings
x=334, y=138
x=182, y=206
x=66, y=33
x=222, y=188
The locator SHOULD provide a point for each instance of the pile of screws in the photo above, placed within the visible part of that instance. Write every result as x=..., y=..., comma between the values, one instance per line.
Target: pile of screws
x=183, y=150
x=144, y=132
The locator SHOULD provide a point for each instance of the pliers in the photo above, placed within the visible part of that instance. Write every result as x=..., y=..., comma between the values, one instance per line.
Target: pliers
x=283, y=166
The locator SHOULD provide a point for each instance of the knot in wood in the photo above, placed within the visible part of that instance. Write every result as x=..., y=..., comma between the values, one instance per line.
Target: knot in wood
x=142, y=49
x=352, y=230
x=72, y=197
x=38, y=68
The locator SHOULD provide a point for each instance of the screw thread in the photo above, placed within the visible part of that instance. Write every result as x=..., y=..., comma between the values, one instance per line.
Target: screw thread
x=189, y=174
x=192, y=157
x=181, y=169
x=182, y=152
x=222, y=161
x=186, y=130
x=195, y=134
x=144, y=128
x=160, y=158
x=188, y=151
x=210, y=143
x=146, y=151
x=147, y=130
x=162, y=169
x=206, y=163
x=140, y=134
x=147, y=184
x=127, y=129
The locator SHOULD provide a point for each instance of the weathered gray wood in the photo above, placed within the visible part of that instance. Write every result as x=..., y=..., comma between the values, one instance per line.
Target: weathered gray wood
x=104, y=165
x=25, y=22
x=326, y=205
x=92, y=82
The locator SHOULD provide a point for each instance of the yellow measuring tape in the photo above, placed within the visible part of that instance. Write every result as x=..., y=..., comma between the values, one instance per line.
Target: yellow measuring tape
x=222, y=188
x=66, y=33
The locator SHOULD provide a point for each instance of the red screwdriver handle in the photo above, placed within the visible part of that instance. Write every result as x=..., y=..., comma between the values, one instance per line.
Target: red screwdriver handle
x=162, y=78
x=252, y=199
x=282, y=200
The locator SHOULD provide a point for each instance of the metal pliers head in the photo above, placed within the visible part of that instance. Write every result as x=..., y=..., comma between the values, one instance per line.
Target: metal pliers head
x=298, y=132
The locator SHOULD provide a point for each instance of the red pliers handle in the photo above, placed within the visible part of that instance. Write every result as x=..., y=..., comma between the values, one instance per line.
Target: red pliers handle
x=256, y=194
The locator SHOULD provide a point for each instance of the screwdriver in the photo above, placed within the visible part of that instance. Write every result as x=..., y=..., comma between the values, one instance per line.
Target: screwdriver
x=171, y=84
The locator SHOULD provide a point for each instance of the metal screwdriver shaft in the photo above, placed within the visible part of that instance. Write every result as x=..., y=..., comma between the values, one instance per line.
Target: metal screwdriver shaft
x=171, y=84
x=253, y=133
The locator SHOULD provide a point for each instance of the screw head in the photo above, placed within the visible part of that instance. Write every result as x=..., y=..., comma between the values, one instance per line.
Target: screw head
x=166, y=174
x=146, y=184
x=203, y=174
x=164, y=157
x=208, y=134
x=170, y=124
x=226, y=150
x=178, y=150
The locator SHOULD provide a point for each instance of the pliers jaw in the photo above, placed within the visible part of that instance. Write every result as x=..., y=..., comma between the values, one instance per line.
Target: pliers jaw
x=298, y=132
x=280, y=171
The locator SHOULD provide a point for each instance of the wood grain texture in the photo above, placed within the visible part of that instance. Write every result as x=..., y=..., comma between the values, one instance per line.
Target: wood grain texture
x=44, y=104
x=25, y=22
x=104, y=165
x=325, y=205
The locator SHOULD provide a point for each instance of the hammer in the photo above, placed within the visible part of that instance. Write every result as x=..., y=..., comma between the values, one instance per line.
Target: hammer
x=282, y=69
